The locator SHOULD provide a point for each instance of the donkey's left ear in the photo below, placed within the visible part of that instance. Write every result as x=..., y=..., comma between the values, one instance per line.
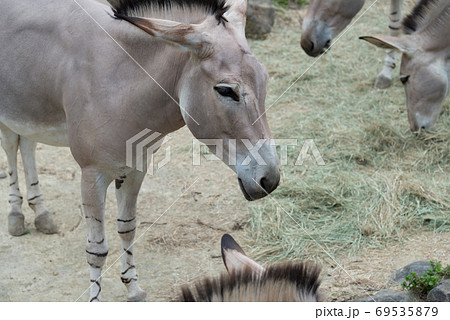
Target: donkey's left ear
x=403, y=44
x=189, y=36
x=235, y=259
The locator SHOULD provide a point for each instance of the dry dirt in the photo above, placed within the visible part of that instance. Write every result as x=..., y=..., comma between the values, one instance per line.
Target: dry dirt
x=197, y=203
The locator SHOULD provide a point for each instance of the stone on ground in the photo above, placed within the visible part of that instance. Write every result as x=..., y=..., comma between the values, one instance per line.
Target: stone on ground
x=260, y=18
x=440, y=293
x=419, y=267
x=388, y=295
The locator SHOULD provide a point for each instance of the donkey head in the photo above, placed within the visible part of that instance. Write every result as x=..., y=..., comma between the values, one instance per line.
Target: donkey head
x=247, y=281
x=424, y=75
x=324, y=20
x=222, y=93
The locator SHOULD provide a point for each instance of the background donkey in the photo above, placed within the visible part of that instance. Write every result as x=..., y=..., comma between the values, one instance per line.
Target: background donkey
x=325, y=19
x=425, y=67
x=92, y=78
x=247, y=281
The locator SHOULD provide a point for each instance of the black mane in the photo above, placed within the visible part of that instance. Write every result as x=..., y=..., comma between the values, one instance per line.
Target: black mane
x=304, y=276
x=417, y=17
x=127, y=8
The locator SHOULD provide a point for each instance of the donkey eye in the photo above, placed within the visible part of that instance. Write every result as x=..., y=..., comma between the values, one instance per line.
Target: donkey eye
x=227, y=91
x=404, y=79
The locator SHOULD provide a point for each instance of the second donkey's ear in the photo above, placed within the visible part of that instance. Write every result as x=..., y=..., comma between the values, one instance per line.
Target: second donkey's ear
x=235, y=259
x=404, y=44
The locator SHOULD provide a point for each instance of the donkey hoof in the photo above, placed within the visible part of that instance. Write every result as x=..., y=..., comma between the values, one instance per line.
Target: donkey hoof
x=138, y=296
x=2, y=175
x=16, y=224
x=44, y=223
x=382, y=82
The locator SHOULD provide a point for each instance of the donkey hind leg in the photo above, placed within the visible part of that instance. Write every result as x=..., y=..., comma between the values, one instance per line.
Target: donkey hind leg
x=16, y=219
x=43, y=220
x=384, y=79
x=127, y=189
x=93, y=192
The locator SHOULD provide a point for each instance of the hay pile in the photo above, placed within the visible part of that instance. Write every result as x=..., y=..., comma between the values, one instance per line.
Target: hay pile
x=380, y=183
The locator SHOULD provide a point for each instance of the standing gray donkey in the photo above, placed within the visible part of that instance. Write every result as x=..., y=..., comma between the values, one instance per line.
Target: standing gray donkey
x=81, y=74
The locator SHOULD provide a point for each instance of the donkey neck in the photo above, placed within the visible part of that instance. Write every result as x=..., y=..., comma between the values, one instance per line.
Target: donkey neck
x=433, y=26
x=156, y=69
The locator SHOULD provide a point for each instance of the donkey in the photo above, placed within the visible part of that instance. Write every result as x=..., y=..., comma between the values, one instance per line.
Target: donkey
x=325, y=19
x=247, y=281
x=91, y=77
x=425, y=66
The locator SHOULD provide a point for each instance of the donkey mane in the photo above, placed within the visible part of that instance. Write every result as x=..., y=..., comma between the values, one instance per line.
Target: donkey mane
x=422, y=15
x=150, y=8
x=283, y=282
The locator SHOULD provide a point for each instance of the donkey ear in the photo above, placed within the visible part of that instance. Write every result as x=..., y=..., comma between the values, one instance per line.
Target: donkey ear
x=189, y=36
x=402, y=44
x=237, y=13
x=234, y=257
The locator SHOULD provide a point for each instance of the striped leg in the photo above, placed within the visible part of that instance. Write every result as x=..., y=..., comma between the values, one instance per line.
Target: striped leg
x=93, y=192
x=127, y=189
x=43, y=220
x=16, y=220
x=384, y=79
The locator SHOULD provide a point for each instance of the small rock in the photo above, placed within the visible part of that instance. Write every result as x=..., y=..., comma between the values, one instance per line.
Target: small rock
x=440, y=293
x=419, y=267
x=260, y=18
x=388, y=295
x=2, y=175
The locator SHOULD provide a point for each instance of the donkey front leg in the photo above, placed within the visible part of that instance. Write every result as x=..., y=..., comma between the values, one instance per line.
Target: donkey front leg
x=16, y=219
x=43, y=220
x=384, y=79
x=127, y=189
x=93, y=192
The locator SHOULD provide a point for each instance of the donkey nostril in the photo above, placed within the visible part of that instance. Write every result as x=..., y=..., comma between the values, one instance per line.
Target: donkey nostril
x=327, y=44
x=311, y=46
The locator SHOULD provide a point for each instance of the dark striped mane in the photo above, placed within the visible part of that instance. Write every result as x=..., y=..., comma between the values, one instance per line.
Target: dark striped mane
x=421, y=16
x=145, y=8
x=302, y=278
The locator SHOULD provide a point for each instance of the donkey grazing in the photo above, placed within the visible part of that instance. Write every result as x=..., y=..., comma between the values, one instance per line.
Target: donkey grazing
x=325, y=19
x=90, y=77
x=247, y=281
x=425, y=67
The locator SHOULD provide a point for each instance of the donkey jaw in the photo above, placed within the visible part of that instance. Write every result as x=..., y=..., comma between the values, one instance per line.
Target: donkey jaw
x=258, y=189
x=246, y=195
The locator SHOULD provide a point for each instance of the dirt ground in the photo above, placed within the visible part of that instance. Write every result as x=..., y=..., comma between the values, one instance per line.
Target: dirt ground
x=182, y=213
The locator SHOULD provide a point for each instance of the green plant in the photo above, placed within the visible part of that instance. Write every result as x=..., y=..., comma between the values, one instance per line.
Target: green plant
x=423, y=285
